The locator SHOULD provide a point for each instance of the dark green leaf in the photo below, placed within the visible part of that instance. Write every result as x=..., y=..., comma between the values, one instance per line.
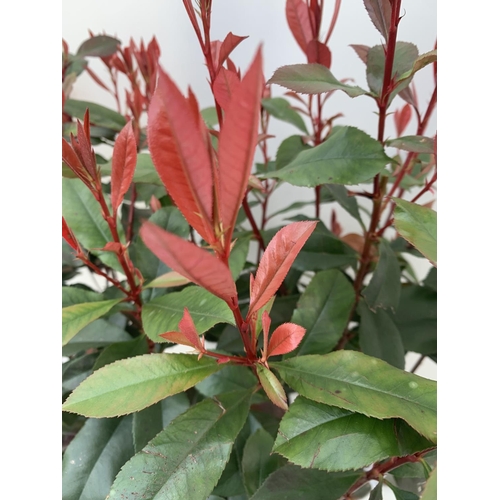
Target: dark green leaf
x=338, y=193
x=323, y=310
x=76, y=370
x=238, y=256
x=94, y=457
x=198, y=444
x=379, y=336
x=414, y=143
x=360, y=383
x=296, y=205
x=133, y=384
x=232, y=378
x=311, y=79
x=401, y=494
x=376, y=493
x=280, y=108
x=314, y=435
x=164, y=313
x=347, y=156
x=417, y=225
x=72, y=295
x=294, y=483
x=288, y=150
x=98, y=46
x=99, y=115
x=421, y=61
x=384, y=288
x=144, y=173
x=430, y=280
x=122, y=350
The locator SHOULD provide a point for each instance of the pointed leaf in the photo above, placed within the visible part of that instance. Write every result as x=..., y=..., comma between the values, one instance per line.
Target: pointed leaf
x=122, y=350
x=132, y=384
x=360, y=383
x=180, y=155
x=289, y=149
x=225, y=84
x=78, y=316
x=318, y=52
x=376, y=493
x=339, y=193
x=312, y=79
x=280, y=108
x=349, y=156
x=186, y=460
x=297, y=16
x=228, y=45
x=99, y=115
x=168, y=280
x=319, y=436
x=98, y=46
x=237, y=142
x=361, y=51
x=277, y=260
x=124, y=161
x=194, y=263
x=272, y=387
x=144, y=173
x=163, y=314
x=285, y=339
x=417, y=225
x=68, y=236
x=400, y=494
x=414, y=143
x=187, y=327
x=380, y=15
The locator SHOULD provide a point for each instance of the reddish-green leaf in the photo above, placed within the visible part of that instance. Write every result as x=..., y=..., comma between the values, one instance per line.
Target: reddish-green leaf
x=228, y=45
x=237, y=142
x=187, y=335
x=98, y=46
x=285, y=339
x=318, y=52
x=180, y=155
x=277, y=260
x=123, y=165
x=68, y=235
x=196, y=264
x=401, y=119
x=272, y=387
x=224, y=86
x=297, y=17
x=380, y=15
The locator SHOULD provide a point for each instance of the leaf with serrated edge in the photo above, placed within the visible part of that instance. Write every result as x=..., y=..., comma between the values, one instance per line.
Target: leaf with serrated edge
x=132, y=384
x=366, y=385
x=380, y=15
x=280, y=108
x=186, y=460
x=285, y=339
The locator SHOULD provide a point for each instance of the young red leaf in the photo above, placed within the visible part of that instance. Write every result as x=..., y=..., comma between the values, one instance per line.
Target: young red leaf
x=266, y=325
x=285, y=339
x=401, y=118
x=186, y=326
x=196, y=264
x=224, y=86
x=68, y=235
x=277, y=260
x=380, y=15
x=237, y=142
x=180, y=155
x=298, y=21
x=228, y=45
x=318, y=52
x=73, y=161
x=123, y=165
x=177, y=338
x=272, y=387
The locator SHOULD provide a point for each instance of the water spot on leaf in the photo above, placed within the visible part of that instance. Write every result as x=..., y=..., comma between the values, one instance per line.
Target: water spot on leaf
x=413, y=385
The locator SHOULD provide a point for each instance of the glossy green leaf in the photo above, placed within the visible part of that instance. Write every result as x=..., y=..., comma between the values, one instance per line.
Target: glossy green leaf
x=323, y=310
x=122, y=350
x=186, y=460
x=164, y=313
x=288, y=150
x=72, y=295
x=132, y=384
x=77, y=316
x=379, y=336
x=384, y=288
x=76, y=370
x=94, y=457
x=417, y=225
x=315, y=435
x=232, y=378
x=84, y=218
x=347, y=156
x=312, y=79
x=413, y=143
x=291, y=482
x=360, y=383
x=257, y=461
x=144, y=173
x=280, y=108
x=272, y=387
x=98, y=46
x=430, y=490
x=338, y=193
x=99, y=115
x=238, y=256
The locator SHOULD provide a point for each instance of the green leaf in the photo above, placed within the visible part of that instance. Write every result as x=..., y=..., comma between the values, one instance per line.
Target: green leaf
x=210, y=117
x=72, y=295
x=168, y=280
x=360, y=383
x=94, y=457
x=288, y=150
x=296, y=205
x=323, y=310
x=76, y=370
x=401, y=494
x=232, y=378
x=413, y=143
x=84, y=218
x=99, y=115
x=98, y=46
x=314, y=435
x=280, y=108
x=347, y=156
x=272, y=387
x=257, y=461
x=376, y=493
x=312, y=79
x=132, y=384
x=379, y=336
x=198, y=444
x=430, y=280
x=122, y=350
x=421, y=62
x=144, y=173
x=294, y=483
x=338, y=193
x=164, y=313
x=77, y=316
x=430, y=490
x=418, y=226
x=238, y=256
x=384, y=288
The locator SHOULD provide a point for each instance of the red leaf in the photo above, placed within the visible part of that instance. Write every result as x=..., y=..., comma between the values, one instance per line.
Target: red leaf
x=285, y=339
x=228, y=45
x=122, y=165
x=224, y=86
x=186, y=326
x=277, y=260
x=318, y=52
x=237, y=142
x=380, y=15
x=72, y=160
x=68, y=235
x=401, y=118
x=194, y=263
x=362, y=51
x=298, y=21
x=113, y=246
x=177, y=338
x=179, y=154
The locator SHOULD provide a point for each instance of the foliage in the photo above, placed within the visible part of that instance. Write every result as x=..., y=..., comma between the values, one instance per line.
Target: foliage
x=291, y=380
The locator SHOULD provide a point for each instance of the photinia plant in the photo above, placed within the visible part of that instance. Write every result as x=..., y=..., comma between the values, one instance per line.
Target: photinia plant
x=199, y=372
